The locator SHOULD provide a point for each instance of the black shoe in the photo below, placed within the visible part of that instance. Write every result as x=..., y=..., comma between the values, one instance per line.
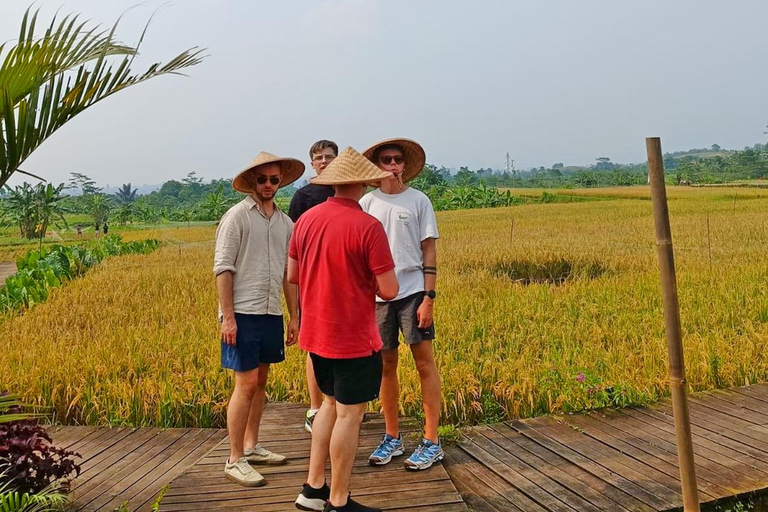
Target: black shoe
x=351, y=506
x=313, y=499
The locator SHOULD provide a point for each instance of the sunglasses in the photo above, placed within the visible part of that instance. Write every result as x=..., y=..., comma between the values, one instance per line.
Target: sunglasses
x=274, y=180
x=388, y=159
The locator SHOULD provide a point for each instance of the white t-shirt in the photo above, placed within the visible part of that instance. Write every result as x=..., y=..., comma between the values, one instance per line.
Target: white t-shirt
x=409, y=219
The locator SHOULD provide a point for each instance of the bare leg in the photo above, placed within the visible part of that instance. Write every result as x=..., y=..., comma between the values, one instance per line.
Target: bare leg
x=430, y=386
x=251, y=438
x=390, y=391
x=238, y=411
x=346, y=435
x=315, y=395
x=322, y=429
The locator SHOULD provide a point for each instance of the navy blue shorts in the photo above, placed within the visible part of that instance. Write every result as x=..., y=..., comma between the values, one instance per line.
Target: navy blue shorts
x=260, y=339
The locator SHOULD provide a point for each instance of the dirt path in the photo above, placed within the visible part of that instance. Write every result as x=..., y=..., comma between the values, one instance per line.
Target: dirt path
x=6, y=269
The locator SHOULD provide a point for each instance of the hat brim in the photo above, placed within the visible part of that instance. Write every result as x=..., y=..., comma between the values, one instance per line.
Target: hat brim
x=290, y=170
x=414, y=154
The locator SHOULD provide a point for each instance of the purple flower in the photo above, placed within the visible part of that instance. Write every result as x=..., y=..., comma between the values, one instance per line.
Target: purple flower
x=581, y=377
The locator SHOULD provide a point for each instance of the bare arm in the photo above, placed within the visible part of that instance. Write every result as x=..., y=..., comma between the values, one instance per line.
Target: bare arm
x=429, y=255
x=293, y=271
x=226, y=302
x=388, y=285
x=291, y=292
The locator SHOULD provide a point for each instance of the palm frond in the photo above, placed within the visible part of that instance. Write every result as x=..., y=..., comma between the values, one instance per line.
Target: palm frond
x=45, y=82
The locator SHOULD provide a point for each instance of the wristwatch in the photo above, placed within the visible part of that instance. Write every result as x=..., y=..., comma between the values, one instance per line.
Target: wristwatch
x=431, y=294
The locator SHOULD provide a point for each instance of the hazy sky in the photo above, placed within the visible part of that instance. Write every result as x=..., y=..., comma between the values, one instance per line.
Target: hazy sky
x=547, y=81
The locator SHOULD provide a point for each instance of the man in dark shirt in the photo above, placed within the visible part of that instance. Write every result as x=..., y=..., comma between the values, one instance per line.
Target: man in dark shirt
x=321, y=154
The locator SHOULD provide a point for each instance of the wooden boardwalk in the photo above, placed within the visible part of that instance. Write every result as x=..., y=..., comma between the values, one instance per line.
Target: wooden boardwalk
x=623, y=460
x=123, y=464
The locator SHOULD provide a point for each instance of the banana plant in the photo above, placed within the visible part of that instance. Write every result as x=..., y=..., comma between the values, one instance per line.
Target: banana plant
x=47, y=80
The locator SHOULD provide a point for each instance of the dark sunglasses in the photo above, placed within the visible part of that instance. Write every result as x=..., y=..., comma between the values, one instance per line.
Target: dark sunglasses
x=388, y=159
x=263, y=179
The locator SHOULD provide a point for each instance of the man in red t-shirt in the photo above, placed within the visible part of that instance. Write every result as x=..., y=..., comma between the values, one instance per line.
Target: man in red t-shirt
x=340, y=258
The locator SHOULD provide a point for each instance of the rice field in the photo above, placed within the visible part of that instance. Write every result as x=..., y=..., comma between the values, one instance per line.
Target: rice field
x=541, y=308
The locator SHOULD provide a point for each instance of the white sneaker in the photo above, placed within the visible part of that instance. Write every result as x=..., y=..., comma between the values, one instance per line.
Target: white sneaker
x=260, y=455
x=242, y=473
x=309, y=419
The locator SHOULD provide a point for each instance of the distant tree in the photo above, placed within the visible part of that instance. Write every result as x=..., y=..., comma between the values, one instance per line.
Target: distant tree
x=429, y=177
x=604, y=164
x=558, y=165
x=33, y=209
x=85, y=184
x=715, y=147
x=99, y=208
x=125, y=194
x=215, y=204
x=465, y=177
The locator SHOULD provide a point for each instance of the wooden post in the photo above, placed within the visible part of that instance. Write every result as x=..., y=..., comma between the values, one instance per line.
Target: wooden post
x=677, y=383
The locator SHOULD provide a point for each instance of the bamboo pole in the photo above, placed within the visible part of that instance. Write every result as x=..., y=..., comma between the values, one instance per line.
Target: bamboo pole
x=677, y=383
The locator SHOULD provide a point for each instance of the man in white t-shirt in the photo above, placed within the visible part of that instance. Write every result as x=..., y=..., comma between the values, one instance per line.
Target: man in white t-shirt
x=409, y=221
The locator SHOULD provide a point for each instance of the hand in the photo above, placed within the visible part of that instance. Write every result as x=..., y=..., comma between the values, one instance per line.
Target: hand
x=424, y=313
x=229, y=330
x=293, y=332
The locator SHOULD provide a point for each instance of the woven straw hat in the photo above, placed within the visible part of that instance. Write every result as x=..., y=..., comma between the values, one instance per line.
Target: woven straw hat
x=348, y=168
x=291, y=168
x=415, y=158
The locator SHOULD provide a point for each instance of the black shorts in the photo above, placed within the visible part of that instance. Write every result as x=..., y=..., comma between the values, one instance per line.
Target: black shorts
x=400, y=315
x=349, y=381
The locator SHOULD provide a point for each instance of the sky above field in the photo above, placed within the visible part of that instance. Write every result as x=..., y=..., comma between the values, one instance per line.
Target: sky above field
x=547, y=81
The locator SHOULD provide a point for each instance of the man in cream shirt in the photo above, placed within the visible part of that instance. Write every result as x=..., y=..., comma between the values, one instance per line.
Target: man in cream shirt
x=249, y=264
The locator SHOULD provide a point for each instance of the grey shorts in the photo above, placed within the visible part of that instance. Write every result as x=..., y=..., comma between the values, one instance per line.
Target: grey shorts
x=400, y=315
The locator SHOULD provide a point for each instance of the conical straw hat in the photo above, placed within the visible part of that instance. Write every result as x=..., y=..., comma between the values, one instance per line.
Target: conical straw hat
x=291, y=168
x=348, y=168
x=414, y=154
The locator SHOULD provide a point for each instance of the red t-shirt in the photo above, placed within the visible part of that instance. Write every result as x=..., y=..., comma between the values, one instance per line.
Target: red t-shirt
x=340, y=250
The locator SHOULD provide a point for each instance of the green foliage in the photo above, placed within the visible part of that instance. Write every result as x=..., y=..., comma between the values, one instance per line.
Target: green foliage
x=580, y=389
x=46, y=81
x=449, y=435
x=50, y=499
x=469, y=196
x=41, y=271
x=34, y=208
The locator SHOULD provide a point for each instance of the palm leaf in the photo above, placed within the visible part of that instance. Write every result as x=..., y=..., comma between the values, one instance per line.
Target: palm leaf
x=45, y=82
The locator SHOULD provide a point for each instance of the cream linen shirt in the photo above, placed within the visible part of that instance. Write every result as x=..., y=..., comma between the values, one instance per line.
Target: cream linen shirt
x=254, y=248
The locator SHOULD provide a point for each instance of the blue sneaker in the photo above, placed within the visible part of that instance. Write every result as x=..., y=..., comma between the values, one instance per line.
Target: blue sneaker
x=388, y=448
x=425, y=455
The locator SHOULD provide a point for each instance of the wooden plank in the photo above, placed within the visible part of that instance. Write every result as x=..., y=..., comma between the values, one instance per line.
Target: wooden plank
x=599, y=492
x=150, y=482
x=576, y=457
x=747, y=402
x=709, y=454
x=99, y=497
x=749, y=418
x=177, y=467
x=710, y=436
x=475, y=491
x=628, y=433
x=758, y=392
x=652, y=480
x=725, y=424
x=723, y=455
x=268, y=495
x=487, y=439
